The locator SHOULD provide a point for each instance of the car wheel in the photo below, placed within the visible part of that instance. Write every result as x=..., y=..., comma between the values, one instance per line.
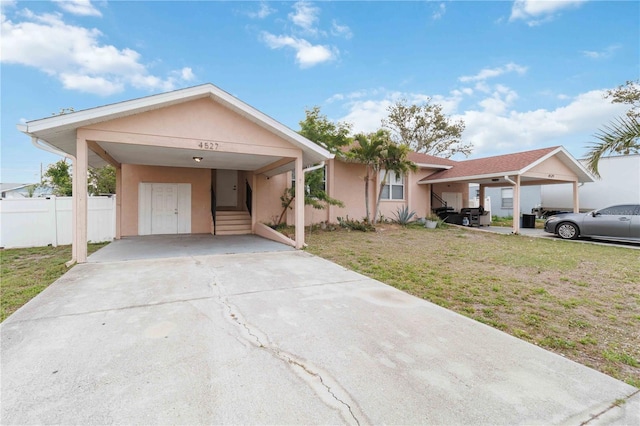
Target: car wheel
x=567, y=231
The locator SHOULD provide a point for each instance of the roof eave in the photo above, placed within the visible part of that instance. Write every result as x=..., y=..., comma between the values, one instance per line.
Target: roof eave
x=433, y=166
x=583, y=174
x=44, y=127
x=467, y=178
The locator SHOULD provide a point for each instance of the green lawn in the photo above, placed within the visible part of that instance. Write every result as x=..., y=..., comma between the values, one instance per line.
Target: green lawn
x=26, y=272
x=579, y=300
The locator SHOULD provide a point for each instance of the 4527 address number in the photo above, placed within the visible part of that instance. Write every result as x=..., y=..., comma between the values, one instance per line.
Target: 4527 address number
x=210, y=146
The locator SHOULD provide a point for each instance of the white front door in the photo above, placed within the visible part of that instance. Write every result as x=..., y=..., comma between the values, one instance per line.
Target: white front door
x=226, y=188
x=164, y=208
x=453, y=199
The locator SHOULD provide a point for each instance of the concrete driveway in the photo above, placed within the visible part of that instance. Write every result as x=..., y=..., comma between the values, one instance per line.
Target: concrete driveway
x=279, y=337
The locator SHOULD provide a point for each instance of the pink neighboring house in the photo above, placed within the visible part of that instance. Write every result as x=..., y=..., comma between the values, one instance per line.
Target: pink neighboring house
x=187, y=156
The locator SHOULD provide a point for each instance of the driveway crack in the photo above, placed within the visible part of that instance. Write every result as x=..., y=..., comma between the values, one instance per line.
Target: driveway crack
x=613, y=405
x=328, y=389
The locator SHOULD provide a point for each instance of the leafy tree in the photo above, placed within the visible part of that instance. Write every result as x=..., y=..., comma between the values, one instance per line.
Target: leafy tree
x=621, y=136
x=331, y=136
x=319, y=129
x=58, y=176
x=425, y=128
x=628, y=93
x=31, y=190
x=102, y=180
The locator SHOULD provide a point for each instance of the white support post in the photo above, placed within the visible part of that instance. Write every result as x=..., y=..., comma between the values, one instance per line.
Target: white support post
x=53, y=219
x=300, y=192
x=516, y=206
x=576, y=199
x=118, y=208
x=80, y=197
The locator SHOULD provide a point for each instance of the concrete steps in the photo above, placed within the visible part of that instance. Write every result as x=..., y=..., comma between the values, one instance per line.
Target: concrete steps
x=233, y=223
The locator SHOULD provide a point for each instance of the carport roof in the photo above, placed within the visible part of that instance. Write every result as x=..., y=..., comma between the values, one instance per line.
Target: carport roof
x=494, y=169
x=60, y=131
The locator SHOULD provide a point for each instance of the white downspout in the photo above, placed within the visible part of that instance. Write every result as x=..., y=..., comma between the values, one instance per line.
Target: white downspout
x=508, y=179
x=46, y=147
x=312, y=168
x=516, y=226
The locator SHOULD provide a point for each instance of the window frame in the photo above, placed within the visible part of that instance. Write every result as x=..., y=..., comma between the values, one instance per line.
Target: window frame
x=324, y=180
x=507, y=205
x=390, y=185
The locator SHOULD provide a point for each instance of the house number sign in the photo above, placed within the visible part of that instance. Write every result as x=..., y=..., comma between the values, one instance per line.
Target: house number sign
x=209, y=146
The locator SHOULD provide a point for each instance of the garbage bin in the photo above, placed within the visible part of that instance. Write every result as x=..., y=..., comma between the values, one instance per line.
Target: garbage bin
x=529, y=221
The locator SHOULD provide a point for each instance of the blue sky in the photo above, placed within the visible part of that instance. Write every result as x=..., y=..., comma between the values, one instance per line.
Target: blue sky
x=521, y=74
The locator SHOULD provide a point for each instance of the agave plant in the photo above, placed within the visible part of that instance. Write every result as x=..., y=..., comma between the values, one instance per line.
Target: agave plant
x=403, y=216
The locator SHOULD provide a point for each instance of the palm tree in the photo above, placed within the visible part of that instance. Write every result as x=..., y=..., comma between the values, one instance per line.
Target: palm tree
x=367, y=150
x=393, y=158
x=622, y=136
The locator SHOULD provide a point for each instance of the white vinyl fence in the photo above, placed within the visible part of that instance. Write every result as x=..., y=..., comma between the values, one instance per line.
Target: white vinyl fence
x=38, y=222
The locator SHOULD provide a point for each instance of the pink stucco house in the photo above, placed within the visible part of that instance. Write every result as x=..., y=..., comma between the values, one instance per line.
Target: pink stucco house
x=188, y=158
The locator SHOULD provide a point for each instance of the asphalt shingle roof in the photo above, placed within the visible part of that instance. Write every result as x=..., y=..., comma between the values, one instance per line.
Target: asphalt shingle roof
x=491, y=165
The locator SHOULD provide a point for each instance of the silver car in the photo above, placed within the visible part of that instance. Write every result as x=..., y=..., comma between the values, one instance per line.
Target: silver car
x=611, y=223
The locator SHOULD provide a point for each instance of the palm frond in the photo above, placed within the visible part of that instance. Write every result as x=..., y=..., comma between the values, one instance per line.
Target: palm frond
x=621, y=136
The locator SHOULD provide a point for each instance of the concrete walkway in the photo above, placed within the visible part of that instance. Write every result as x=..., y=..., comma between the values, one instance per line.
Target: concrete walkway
x=164, y=246
x=276, y=338
x=540, y=233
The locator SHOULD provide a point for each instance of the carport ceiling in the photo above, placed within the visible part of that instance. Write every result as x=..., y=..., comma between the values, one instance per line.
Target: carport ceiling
x=175, y=157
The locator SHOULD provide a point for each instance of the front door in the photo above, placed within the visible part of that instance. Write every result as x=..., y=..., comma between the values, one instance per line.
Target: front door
x=453, y=199
x=227, y=188
x=164, y=208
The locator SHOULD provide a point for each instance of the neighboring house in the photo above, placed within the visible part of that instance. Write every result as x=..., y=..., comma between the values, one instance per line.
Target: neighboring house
x=21, y=190
x=502, y=198
x=619, y=183
x=199, y=160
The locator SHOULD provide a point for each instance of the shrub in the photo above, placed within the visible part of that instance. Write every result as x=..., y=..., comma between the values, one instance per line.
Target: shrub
x=403, y=216
x=355, y=225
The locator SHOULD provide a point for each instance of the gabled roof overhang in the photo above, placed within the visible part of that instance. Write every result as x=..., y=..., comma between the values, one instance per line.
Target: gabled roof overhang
x=60, y=131
x=501, y=176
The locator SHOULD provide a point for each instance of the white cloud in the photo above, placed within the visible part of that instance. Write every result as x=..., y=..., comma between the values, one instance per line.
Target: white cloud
x=185, y=74
x=340, y=30
x=508, y=130
x=602, y=54
x=305, y=16
x=439, y=12
x=494, y=72
x=262, y=12
x=366, y=114
x=78, y=7
x=307, y=54
x=494, y=126
x=536, y=12
x=84, y=83
x=75, y=56
x=7, y=4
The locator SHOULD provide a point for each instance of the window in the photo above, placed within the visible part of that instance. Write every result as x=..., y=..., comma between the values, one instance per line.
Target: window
x=624, y=210
x=507, y=198
x=394, y=186
x=315, y=180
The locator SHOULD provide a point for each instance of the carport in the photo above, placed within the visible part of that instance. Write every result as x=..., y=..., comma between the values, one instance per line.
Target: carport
x=181, y=157
x=545, y=166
